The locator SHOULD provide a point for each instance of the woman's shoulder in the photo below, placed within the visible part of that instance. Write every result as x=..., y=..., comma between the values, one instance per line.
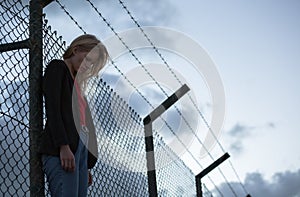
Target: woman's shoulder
x=57, y=65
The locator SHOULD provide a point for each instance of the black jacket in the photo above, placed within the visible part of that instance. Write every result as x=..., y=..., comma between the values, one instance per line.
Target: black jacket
x=62, y=122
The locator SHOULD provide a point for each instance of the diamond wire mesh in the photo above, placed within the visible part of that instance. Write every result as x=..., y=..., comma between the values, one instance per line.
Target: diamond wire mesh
x=122, y=164
x=121, y=153
x=14, y=21
x=174, y=178
x=121, y=169
x=14, y=140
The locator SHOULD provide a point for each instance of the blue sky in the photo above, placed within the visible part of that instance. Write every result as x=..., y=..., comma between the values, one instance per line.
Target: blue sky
x=255, y=46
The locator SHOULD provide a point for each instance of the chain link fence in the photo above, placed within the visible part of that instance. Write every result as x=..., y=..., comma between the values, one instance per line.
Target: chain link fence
x=121, y=168
x=14, y=147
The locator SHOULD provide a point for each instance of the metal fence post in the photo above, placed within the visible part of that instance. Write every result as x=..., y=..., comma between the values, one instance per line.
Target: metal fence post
x=152, y=185
x=35, y=96
x=204, y=172
x=150, y=157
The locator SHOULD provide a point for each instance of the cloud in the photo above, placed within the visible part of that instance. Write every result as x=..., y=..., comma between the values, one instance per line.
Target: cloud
x=236, y=135
x=147, y=13
x=239, y=132
x=154, y=12
x=236, y=147
x=281, y=184
x=271, y=125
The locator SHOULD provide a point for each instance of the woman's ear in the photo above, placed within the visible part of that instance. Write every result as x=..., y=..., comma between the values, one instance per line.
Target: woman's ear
x=75, y=50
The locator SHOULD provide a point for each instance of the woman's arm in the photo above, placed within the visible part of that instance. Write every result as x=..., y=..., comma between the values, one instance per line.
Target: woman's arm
x=54, y=78
x=54, y=81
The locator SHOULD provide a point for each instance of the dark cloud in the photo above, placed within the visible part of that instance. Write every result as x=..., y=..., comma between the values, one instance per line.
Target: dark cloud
x=239, y=132
x=282, y=184
x=236, y=136
x=236, y=147
x=271, y=125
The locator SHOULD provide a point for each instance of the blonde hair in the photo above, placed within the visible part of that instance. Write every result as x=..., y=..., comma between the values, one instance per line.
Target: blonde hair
x=88, y=43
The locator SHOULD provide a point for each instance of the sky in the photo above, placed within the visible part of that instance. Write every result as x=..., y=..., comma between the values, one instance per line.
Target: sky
x=255, y=46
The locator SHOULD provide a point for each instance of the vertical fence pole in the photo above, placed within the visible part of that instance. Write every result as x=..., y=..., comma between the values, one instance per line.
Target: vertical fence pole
x=152, y=185
x=35, y=96
x=204, y=172
x=199, y=188
x=150, y=157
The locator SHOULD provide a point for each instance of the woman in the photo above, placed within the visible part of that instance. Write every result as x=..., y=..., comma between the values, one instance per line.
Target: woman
x=68, y=144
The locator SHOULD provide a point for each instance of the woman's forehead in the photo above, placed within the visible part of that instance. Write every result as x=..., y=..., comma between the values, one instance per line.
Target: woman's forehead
x=92, y=56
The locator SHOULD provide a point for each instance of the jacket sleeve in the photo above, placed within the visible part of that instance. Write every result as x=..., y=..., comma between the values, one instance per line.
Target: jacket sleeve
x=53, y=82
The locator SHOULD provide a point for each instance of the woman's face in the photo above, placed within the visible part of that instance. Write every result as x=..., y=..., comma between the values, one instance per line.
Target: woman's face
x=89, y=60
x=77, y=59
x=84, y=60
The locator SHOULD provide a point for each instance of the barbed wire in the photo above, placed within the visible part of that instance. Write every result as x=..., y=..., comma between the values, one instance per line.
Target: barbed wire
x=165, y=62
x=140, y=63
x=169, y=68
x=148, y=102
x=70, y=16
x=54, y=47
x=193, y=102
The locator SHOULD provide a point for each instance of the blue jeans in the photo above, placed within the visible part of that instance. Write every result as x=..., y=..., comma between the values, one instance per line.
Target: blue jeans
x=63, y=183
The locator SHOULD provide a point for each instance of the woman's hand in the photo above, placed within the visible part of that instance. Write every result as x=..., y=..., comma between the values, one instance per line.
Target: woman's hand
x=90, y=179
x=67, y=158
